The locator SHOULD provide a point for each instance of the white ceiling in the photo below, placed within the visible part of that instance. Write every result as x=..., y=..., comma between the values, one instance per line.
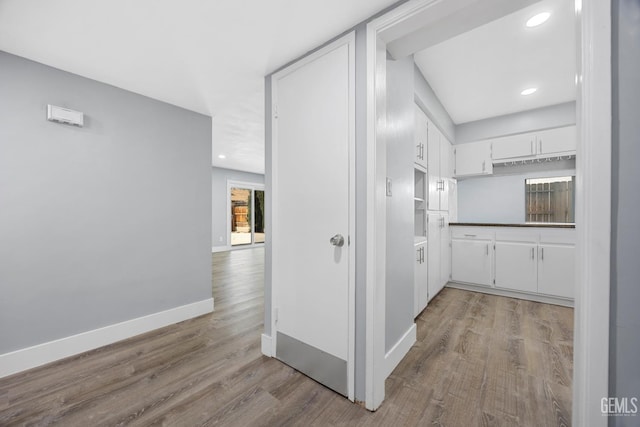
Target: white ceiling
x=206, y=56
x=480, y=73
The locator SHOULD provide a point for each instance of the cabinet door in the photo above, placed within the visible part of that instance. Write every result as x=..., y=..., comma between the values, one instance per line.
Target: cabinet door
x=472, y=159
x=420, y=279
x=471, y=261
x=508, y=147
x=421, y=135
x=446, y=152
x=433, y=253
x=557, y=140
x=556, y=275
x=445, y=251
x=445, y=172
x=433, y=167
x=516, y=266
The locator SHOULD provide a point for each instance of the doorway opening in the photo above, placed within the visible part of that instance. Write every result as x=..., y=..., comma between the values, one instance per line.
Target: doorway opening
x=396, y=34
x=245, y=218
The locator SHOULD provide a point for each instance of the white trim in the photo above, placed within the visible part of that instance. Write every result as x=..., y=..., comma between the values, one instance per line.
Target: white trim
x=349, y=40
x=215, y=249
x=266, y=345
x=511, y=294
x=593, y=214
x=376, y=221
x=593, y=199
x=351, y=358
x=399, y=350
x=30, y=357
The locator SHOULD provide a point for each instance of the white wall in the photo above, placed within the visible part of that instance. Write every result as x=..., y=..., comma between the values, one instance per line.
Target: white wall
x=427, y=99
x=399, y=230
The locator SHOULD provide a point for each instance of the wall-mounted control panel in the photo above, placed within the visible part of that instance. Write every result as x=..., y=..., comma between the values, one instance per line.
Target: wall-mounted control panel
x=65, y=115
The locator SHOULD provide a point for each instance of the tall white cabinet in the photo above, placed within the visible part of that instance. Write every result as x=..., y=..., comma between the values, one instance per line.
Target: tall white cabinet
x=434, y=156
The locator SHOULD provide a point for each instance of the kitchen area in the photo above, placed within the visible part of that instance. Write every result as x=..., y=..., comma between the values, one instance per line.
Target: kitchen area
x=495, y=159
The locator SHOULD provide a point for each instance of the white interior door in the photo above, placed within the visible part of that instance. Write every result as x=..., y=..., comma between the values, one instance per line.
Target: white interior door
x=312, y=183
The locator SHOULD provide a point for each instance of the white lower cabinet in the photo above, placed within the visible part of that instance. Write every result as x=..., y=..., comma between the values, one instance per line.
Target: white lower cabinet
x=471, y=258
x=420, y=277
x=529, y=261
x=516, y=264
x=556, y=269
x=437, y=252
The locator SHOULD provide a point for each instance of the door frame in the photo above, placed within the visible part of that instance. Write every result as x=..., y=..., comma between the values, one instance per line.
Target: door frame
x=593, y=205
x=253, y=186
x=276, y=204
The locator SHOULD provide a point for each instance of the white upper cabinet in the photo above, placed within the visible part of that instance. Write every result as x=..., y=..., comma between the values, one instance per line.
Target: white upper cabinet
x=561, y=140
x=473, y=158
x=535, y=144
x=437, y=161
x=508, y=147
x=421, y=137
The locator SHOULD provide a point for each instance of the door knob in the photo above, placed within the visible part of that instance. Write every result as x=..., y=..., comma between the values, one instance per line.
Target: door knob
x=337, y=240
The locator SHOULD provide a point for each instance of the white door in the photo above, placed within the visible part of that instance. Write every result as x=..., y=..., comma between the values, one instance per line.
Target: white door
x=312, y=215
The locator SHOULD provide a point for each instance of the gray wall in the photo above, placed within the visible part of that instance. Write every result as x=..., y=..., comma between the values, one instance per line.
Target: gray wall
x=506, y=193
x=431, y=105
x=219, y=178
x=525, y=121
x=625, y=240
x=399, y=230
x=99, y=224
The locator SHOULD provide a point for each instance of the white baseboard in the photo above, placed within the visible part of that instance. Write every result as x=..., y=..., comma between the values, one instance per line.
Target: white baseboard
x=215, y=249
x=266, y=345
x=30, y=357
x=397, y=353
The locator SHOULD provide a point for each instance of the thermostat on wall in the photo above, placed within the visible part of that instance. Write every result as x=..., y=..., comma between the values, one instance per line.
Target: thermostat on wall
x=64, y=115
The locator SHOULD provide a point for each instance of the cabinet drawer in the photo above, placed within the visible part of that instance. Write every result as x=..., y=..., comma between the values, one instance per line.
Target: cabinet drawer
x=471, y=233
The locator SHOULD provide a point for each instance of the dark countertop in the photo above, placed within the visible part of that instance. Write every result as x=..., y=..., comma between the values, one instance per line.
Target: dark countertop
x=529, y=224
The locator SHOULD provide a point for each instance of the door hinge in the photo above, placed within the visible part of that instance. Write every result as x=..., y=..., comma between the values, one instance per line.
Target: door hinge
x=275, y=111
x=494, y=281
x=494, y=246
x=276, y=314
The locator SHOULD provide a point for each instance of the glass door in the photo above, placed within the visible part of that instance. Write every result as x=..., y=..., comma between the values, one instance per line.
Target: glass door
x=241, y=232
x=258, y=218
x=247, y=215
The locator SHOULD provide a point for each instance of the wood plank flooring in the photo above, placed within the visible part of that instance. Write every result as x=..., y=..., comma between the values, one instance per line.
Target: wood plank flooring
x=480, y=360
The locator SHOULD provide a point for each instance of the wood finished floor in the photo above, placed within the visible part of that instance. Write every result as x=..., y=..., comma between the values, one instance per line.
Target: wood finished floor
x=480, y=360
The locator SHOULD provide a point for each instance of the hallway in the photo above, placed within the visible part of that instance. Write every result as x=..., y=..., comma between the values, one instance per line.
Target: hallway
x=479, y=360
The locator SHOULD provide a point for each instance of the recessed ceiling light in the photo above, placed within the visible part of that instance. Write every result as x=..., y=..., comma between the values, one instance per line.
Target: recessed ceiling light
x=222, y=156
x=538, y=19
x=529, y=91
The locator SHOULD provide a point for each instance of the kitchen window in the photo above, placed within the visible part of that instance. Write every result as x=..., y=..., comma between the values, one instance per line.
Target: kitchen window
x=550, y=199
